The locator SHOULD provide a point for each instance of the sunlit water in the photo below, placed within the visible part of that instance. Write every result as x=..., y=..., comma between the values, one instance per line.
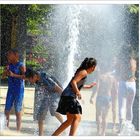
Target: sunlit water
x=85, y=31
x=79, y=31
x=127, y=129
x=2, y=122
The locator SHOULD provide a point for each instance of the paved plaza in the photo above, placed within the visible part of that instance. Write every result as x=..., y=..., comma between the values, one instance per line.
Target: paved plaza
x=87, y=126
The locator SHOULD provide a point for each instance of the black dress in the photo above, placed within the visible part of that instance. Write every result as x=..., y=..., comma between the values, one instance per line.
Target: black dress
x=68, y=102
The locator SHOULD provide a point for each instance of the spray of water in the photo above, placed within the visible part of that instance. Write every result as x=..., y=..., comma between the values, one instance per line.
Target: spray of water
x=73, y=40
x=85, y=31
x=2, y=122
x=80, y=31
x=127, y=129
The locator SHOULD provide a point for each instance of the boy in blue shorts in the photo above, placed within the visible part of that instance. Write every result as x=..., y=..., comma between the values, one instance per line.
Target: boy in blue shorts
x=15, y=71
x=47, y=95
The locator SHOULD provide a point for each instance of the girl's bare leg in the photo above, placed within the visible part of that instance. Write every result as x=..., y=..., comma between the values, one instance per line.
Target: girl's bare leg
x=75, y=123
x=64, y=125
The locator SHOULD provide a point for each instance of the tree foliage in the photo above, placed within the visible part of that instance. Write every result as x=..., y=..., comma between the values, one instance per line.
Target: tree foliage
x=134, y=8
x=37, y=15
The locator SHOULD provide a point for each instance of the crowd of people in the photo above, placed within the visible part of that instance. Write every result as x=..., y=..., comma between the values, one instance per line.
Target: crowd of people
x=114, y=81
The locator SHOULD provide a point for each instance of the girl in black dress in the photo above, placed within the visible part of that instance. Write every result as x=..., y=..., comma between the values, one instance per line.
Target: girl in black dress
x=68, y=104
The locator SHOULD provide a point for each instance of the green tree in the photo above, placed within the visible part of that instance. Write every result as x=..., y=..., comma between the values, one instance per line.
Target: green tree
x=134, y=8
x=18, y=22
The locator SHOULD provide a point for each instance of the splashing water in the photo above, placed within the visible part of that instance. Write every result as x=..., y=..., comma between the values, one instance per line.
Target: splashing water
x=35, y=126
x=2, y=122
x=79, y=31
x=72, y=43
x=127, y=129
x=67, y=43
x=85, y=31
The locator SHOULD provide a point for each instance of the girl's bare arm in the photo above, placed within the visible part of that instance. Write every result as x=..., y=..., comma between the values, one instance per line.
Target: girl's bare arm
x=76, y=79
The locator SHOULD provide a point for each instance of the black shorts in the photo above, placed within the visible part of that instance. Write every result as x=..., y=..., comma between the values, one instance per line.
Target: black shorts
x=68, y=104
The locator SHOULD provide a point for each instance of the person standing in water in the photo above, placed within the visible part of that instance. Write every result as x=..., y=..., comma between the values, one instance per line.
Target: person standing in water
x=15, y=71
x=127, y=88
x=47, y=95
x=114, y=98
x=114, y=92
x=68, y=104
x=105, y=84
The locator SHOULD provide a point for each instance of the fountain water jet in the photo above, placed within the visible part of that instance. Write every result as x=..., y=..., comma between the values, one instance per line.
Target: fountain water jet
x=79, y=31
x=85, y=31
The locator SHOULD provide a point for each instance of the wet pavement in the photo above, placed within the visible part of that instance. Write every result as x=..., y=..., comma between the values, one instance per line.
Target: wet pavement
x=87, y=125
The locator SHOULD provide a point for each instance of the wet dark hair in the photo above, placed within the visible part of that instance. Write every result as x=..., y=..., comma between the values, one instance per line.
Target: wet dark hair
x=30, y=73
x=87, y=63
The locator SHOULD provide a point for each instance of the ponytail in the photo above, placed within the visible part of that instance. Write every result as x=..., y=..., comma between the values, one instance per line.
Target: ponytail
x=87, y=63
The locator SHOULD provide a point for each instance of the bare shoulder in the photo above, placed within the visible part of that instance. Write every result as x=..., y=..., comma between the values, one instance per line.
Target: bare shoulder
x=132, y=60
x=133, y=64
x=83, y=73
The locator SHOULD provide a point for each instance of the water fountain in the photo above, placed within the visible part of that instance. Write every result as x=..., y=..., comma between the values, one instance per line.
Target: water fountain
x=85, y=30
x=80, y=31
